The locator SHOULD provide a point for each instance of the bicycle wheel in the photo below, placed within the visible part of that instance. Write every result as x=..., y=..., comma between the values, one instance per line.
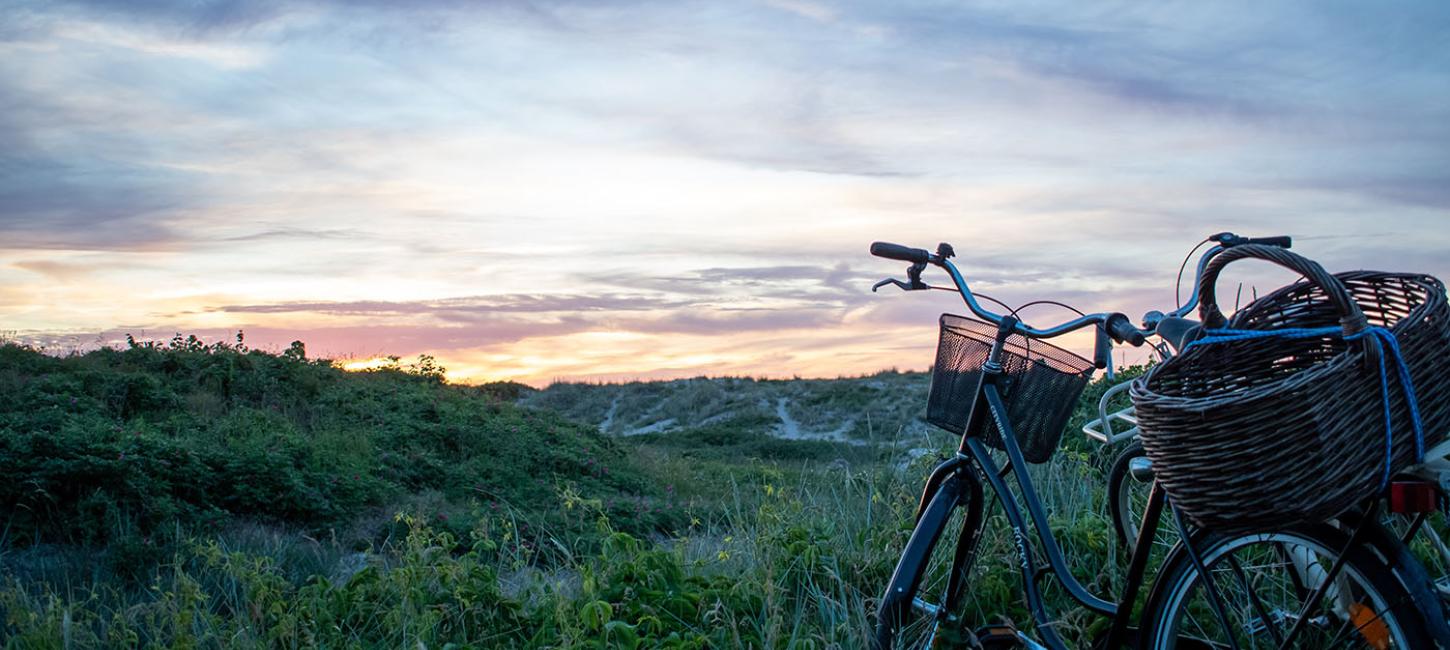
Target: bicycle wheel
x=1430, y=548
x=918, y=610
x=1127, y=497
x=1263, y=582
x=1426, y=543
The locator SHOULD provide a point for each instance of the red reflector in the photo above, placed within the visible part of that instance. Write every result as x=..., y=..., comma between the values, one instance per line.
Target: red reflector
x=1411, y=497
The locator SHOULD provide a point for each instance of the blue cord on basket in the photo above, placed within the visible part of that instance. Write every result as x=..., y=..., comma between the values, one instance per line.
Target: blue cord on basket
x=1382, y=338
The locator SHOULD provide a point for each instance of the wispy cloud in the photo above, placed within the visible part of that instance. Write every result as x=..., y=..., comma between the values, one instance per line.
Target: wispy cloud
x=513, y=303
x=552, y=189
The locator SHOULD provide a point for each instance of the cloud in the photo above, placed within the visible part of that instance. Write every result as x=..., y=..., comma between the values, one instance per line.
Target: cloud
x=704, y=321
x=457, y=318
x=812, y=10
x=790, y=281
x=510, y=303
x=685, y=186
x=299, y=233
x=38, y=212
x=1423, y=189
x=203, y=18
x=62, y=271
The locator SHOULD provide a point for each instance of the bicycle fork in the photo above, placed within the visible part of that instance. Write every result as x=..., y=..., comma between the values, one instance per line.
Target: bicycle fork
x=956, y=480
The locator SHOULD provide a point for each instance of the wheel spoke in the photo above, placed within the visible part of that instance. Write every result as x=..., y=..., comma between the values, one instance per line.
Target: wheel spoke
x=1264, y=582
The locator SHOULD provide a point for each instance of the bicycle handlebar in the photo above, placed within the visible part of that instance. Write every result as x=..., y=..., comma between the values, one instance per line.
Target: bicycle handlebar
x=1115, y=324
x=1225, y=240
x=1229, y=240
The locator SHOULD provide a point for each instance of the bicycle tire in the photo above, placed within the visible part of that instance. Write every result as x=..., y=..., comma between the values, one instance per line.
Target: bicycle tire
x=1120, y=483
x=1426, y=546
x=902, y=621
x=1373, y=605
x=1420, y=550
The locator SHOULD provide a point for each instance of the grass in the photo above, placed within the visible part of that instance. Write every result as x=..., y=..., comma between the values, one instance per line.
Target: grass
x=866, y=408
x=190, y=495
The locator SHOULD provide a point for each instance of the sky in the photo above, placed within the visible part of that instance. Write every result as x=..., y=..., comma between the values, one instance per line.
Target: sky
x=556, y=190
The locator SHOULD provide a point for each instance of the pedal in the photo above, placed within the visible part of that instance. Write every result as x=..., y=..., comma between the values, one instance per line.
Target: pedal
x=997, y=637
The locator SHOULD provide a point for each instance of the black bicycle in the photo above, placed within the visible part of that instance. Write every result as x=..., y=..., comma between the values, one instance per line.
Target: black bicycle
x=997, y=381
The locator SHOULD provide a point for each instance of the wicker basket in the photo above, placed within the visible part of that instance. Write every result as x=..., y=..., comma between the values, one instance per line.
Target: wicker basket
x=1041, y=387
x=1261, y=433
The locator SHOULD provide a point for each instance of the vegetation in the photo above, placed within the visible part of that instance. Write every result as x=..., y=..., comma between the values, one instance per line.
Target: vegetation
x=193, y=495
x=120, y=448
x=873, y=408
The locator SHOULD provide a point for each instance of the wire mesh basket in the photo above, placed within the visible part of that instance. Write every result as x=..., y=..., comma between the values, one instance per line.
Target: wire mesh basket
x=1260, y=433
x=1041, y=385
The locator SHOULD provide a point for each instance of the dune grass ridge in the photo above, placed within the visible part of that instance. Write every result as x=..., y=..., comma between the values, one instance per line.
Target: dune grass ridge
x=182, y=494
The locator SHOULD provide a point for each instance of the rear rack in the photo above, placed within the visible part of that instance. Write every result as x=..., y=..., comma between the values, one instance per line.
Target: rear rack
x=1102, y=429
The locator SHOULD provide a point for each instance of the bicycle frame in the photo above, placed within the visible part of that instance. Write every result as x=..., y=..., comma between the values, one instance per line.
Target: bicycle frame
x=973, y=461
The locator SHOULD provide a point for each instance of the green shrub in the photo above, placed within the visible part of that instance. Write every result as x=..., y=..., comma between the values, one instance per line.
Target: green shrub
x=207, y=496
x=138, y=441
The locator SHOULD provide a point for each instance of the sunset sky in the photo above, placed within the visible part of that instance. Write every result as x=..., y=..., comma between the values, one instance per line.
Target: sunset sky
x=604, y=190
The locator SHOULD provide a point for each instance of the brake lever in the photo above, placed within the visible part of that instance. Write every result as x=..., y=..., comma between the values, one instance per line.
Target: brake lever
x=899, y=284
x=913, y=273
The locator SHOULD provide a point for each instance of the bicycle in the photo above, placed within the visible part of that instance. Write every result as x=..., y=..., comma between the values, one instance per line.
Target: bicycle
x=1131, y=473
x=919, y=606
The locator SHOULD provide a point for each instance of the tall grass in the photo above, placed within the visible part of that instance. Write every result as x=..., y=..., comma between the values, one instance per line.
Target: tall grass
x=712, y=536
x=787, y=556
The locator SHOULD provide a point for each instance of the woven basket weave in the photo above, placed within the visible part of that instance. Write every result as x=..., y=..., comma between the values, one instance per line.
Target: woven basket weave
x=1261, y=433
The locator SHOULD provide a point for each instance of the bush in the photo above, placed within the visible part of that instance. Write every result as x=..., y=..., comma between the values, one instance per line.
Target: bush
x=142, y=441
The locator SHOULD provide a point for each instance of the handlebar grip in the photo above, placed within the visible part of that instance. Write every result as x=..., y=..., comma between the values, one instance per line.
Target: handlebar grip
x=1102, y=350
x=899, y=252
x=1282, y=241
x=1122, y=330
